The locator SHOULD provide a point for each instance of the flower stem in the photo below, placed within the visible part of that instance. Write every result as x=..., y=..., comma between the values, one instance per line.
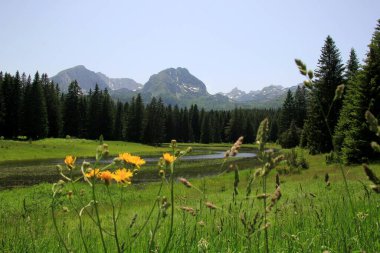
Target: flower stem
x=114, y=221
x=97, y=216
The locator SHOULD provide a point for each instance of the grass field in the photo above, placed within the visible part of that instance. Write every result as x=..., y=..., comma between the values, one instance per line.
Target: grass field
x=58, y=148
x=309, y=217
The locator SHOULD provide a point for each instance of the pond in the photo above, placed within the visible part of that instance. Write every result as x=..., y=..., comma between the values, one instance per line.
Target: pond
x=23, y=173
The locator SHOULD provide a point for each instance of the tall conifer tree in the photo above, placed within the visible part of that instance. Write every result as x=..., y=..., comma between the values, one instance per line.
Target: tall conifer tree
x=363, y=93
x=329, y=75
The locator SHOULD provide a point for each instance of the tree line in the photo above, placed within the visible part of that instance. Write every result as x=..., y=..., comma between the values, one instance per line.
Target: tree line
x=35, y=109
x=331, y=124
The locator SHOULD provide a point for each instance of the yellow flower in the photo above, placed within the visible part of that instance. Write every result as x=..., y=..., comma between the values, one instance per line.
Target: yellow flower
x=106, y=176
x=92, y=173
x=70, y=160
x=123, y=176
x=135, y=160
x=169, y=158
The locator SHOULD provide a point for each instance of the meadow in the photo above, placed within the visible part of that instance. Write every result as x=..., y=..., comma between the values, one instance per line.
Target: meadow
x=222, y=212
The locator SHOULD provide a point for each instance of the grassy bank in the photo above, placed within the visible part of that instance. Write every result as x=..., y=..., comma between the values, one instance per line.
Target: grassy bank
x=59, y=148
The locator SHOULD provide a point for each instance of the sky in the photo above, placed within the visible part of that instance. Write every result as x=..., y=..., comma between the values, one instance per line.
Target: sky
x=246, y=44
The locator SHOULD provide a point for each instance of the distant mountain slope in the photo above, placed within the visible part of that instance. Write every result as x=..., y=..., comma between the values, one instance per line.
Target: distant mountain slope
x=120, y=83
x=87, y=80
x=176, y=83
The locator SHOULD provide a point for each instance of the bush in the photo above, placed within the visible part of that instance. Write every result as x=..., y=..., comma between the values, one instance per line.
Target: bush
x=293, y=163
x=291, y=137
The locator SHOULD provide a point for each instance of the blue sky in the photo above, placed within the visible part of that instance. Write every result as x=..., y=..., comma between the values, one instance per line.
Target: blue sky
x=248, y=44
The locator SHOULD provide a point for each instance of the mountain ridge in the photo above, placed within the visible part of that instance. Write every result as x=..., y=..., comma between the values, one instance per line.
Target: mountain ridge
x=174, y=86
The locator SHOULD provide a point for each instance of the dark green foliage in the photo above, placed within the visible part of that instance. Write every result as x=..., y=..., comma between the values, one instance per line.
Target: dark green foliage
x=195, y=122
x=205, y=130
x=291, y=137
x=154, y=123
x=71, y=117
x=2, y=106
x=83, y=116
x=235, y=127
x=329, y=75
x=352, y=65
x=38, y=127
x=53, y=106
x=287, y=112
x=185, y=127
x=11, y=89
x=293, y=163
x=300, y=106
x=273, y=131
x=106, y=120
x=135, y=119
x=118, y=130
x=352, y=136
x=89, y=116
x=95, y=113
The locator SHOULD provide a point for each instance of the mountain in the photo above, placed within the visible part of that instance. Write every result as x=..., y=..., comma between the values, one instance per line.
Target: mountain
x=174, y=86
x=120, y=83
x=87, y=80
x=270, y=96
x=175, y=83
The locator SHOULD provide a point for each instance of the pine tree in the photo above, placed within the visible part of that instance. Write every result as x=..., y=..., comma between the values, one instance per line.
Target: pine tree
x=352, y=133
x=350, y=100
x=195, y=122
x=352, y=65
x=235, y=125
x=2, y=106
x=106, y=120
x=52, y=106
x=154, y=123
x=135, y=119
x=95, y=113
x=329, y=75
x=119, y=122
x=287, y=112
x=273, y=132
x=291, y=137
x=39, y=125
x=83, y=116
x=169, y=124
x=300, y=106
x=205, y=129
x=27, y=116
x=12, y=104
x=71, y=117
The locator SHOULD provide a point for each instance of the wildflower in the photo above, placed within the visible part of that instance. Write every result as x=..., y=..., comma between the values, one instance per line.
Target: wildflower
x=106, y=176
x=69, y=161
x=135, y=160
x=169, y=158
x=92, y=173
x=123, y=176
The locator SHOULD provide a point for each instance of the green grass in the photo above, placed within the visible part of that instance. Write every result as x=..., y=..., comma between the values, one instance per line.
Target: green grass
x=59, y=148
x=309, y=217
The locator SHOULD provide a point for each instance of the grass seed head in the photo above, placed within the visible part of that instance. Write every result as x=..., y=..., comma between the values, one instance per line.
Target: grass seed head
x=210, y=205
x=185, y=182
